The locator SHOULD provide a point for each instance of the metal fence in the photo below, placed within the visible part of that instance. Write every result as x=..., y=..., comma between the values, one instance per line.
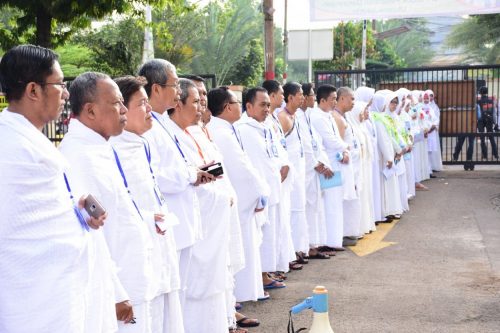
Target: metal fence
x=455, y=89
x=56, y=129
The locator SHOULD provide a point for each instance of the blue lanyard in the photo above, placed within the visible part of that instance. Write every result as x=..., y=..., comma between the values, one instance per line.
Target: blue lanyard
x=147, y=150
x=79, y=215
x=237, y=138
x=119, y=165
x=300, y=139
x=267, y=145
x=309, y=125
x=174, y=138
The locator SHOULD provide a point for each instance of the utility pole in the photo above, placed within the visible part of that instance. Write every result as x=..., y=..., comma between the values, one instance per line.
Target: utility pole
x=285, y=44
x=269, y=38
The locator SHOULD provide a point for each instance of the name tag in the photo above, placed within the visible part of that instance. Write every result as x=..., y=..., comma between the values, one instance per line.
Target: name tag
x=274, y=150
x=314, y=145
x=159, y=195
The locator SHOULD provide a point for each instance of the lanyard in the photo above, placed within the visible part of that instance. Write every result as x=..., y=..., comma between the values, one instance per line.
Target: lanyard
x=174, y=138
x=237, y=138
x=158, y=194
x=119, y=165
x=267, y=145
x=200, y=152
x=205, y=130
x=79, y=215
x=297, y=128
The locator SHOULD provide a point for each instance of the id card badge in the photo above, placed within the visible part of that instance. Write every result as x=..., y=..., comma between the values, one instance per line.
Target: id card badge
x=274, y=150
x=159, y=195
x=314, y=145
x=283, y=142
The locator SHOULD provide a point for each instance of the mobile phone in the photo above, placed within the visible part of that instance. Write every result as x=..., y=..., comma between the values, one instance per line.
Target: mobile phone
x=93, y=206
x=214, y=169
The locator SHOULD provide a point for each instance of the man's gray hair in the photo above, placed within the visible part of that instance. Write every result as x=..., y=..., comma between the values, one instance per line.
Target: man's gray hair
x=342, y=91
x=184, y=85
x=83, y=90
x=156, y=71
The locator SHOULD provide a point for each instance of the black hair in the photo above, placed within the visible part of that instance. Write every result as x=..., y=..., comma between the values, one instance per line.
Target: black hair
x=291, y=88
x=129, y=85
x=483, y=90
x=272, y=86
x=217, y=98
x=83, y=90
x=24, y=64
x=251, y=95
x=324, y=91
x=306, y=88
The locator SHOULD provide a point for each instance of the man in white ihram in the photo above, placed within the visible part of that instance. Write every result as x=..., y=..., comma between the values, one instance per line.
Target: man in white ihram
x=43, y=242
x=99, y=113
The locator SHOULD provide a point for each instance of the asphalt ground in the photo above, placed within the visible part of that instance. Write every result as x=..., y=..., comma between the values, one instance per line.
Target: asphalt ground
x=436, y=270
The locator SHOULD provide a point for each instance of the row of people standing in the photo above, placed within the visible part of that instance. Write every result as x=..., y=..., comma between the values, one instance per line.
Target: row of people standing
x=204, y=206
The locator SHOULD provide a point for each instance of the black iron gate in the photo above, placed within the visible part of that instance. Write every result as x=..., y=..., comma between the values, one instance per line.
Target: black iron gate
x=455, y=89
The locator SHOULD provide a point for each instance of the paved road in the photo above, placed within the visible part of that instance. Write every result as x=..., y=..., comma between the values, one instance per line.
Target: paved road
x=441, y=275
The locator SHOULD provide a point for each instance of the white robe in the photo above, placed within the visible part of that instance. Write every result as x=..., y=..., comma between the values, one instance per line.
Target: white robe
x=433, y=144
x=263, y=153
x=176, y=176
x=250, y=188
x=352, y=203
x=95, y=171
x=376, y=191
x=166, y=281
x=236, y=256
x=314, y=153
x=206, y=283
x=298, y=221
x=327, y=129
x=391, y=202
x=285, y=249
x=44, y=250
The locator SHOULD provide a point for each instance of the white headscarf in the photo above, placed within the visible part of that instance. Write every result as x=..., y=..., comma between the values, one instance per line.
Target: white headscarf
x=364, y=94
x=388, y=99
x=360, y=131
x=378, y=101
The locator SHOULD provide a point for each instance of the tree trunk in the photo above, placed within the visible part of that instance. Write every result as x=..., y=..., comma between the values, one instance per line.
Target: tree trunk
x=43, y=27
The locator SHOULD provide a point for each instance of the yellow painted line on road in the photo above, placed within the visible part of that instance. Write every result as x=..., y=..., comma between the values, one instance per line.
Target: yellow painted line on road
x=375, y=241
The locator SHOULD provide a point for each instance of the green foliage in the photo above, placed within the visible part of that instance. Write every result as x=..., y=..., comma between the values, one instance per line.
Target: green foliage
x=412, y=47
x=249, y=70
x=348, y=42
x=75, y=59
x=226, y=32
x=50, y=23
x=174, y=27
x=478, y=35
x=111, y=52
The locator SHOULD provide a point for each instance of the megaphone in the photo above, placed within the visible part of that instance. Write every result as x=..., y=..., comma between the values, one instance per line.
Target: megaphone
x=318, y=302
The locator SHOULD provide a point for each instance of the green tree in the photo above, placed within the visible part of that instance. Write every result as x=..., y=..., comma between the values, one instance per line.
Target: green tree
x=413, y=47
x=175, y=25
x=110, y=51
x=348, y=40
x=248, y=71
x=226, y=32
x=478, y=35
x=75, y=59
x=50, y=23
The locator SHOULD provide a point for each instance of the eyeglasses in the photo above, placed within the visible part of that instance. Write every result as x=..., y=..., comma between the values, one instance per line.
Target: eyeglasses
x=63, y=85
x=175, y=85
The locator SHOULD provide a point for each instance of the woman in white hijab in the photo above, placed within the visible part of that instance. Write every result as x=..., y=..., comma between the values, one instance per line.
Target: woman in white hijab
x=405, y=120
x=398, y=97
x=387, y=138
x=434, y=146
x=356, y=119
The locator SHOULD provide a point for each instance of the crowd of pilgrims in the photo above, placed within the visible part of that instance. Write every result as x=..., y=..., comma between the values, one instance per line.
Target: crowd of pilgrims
x=306, y=171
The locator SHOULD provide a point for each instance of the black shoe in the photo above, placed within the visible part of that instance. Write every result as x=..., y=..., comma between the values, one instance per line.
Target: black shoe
x=349, y=242
x=432, y=176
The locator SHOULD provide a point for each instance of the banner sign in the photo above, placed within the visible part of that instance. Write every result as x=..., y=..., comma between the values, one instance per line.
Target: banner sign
x=335, y=10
